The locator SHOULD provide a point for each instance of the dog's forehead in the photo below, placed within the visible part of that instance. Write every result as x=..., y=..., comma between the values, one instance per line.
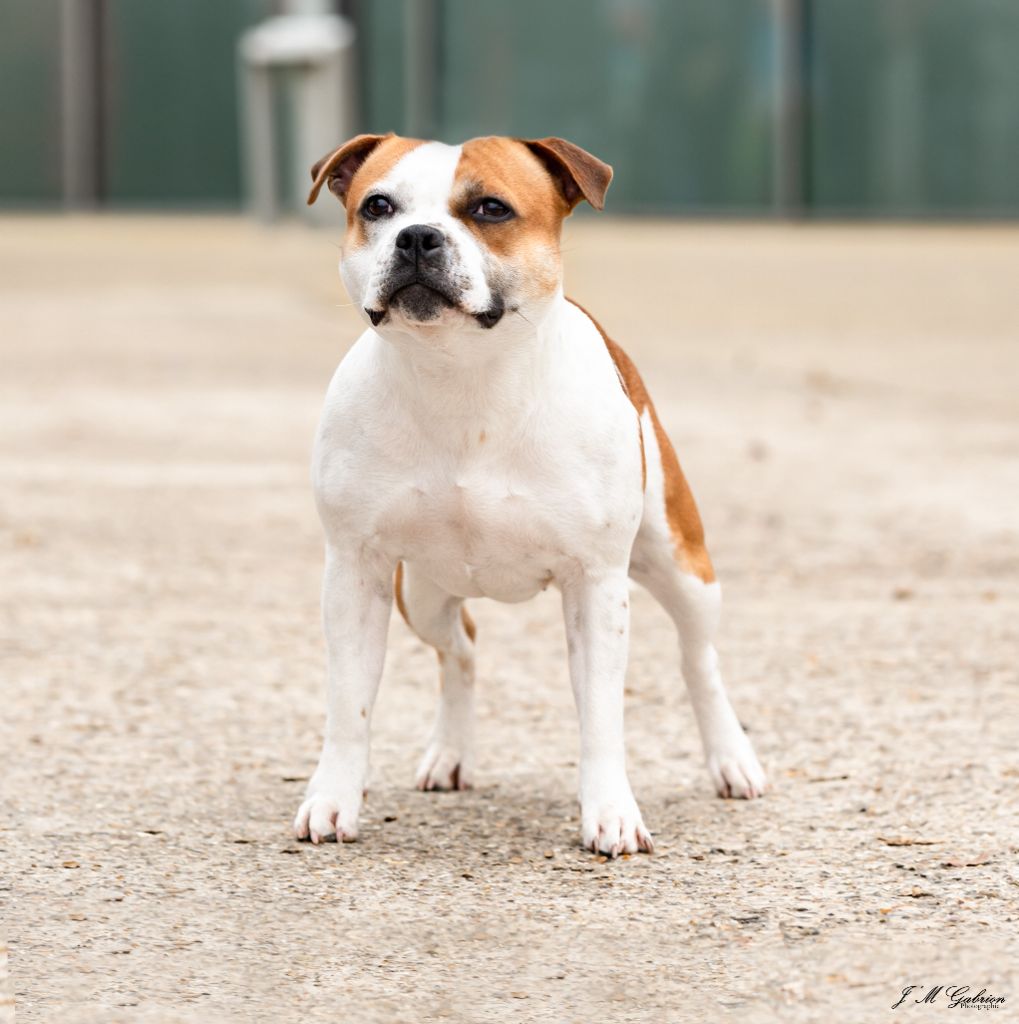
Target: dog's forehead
x=431, y=173
x=423, y=175
x=378, y=168
x=505, y=165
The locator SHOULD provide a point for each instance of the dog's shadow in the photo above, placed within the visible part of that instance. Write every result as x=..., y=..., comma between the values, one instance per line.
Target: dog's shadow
x=506, y=823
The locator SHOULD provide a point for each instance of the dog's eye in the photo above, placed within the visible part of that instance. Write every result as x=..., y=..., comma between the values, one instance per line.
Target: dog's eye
x=491, y=211
x=377, y=206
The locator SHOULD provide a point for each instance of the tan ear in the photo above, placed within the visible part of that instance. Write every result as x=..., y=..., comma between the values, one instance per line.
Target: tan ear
x=578, y=174
x=340, y=166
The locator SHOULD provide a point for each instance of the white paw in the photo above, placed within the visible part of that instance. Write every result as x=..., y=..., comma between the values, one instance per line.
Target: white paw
x=734, y=767
x=329, y=813
x=444, y=767
x=611, y=823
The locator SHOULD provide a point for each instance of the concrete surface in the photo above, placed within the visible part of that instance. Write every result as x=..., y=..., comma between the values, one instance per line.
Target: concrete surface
x=845, y=402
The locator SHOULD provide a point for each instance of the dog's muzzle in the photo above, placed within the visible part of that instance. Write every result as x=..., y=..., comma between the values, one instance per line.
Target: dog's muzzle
x=418, y=282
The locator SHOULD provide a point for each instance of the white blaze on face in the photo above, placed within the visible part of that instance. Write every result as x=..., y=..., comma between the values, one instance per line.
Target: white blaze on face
x=419, y=185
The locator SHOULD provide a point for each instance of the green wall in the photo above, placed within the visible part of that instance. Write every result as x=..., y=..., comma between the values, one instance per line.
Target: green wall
x=676, y=96
x=915, y=106
x=170, y=100
x=912, y=106
x=30, y=101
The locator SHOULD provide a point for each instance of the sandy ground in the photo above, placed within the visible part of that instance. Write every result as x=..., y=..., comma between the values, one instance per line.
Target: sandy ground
x=845, y=403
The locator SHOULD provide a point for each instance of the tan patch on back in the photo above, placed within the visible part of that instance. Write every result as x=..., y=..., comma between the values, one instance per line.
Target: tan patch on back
x=680, y=508
x=505, y=169
x=398, y=592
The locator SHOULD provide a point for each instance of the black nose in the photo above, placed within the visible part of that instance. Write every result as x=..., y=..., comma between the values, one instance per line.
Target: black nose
x=419, y=242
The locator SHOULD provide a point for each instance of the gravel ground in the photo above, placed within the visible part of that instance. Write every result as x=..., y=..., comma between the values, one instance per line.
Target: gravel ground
x=845, y=402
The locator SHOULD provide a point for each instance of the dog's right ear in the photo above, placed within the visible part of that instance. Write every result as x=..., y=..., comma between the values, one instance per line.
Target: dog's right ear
x=579, y=174
x=339, y=167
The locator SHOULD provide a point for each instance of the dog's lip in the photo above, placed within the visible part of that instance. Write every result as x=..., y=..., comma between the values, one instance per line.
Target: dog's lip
x=487, y=318
x=420, y=284
x=378, y=315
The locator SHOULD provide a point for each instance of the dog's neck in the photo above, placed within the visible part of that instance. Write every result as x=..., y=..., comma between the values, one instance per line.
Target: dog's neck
x=475, y=375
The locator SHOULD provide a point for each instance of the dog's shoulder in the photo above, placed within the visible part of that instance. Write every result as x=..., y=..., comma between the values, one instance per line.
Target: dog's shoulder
x=629, y=377
x=352, y=433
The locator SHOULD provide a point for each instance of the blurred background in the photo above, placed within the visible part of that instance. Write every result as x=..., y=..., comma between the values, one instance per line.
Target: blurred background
x=810, y=251
x=849, y=108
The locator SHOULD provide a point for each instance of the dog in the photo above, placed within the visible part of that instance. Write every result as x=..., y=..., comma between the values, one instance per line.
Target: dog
x=485, y=438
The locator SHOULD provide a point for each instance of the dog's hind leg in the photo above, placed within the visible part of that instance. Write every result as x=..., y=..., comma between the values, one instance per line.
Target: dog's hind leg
x=441, y=621
x=669, y=559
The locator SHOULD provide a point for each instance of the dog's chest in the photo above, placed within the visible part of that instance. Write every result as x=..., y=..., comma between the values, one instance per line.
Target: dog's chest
x=495, y=498
x=483, y=529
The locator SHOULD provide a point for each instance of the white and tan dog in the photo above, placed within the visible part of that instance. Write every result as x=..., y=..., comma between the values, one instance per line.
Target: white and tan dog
x=483, y=438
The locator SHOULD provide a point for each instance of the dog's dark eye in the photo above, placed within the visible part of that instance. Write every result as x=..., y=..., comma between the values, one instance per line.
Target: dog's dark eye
x=491, y=211
x=377, y=206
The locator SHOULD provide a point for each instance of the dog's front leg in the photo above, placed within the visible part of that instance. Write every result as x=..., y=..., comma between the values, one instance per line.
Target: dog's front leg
x=356, y=599
x=597, y=613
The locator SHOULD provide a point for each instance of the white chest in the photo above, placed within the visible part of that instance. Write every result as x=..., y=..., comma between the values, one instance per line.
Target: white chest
x=495, y=484
x=480, y=532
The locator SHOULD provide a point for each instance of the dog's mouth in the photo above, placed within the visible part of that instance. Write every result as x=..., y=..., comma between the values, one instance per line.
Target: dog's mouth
x=424, y=301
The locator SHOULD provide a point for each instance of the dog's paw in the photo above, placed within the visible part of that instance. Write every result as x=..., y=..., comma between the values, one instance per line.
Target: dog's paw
x=444, y=767
x=613, y=825
x=734, y=768
x=329, y=814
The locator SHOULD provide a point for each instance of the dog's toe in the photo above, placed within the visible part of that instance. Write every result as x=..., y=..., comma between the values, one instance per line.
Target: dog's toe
x=738, y=774
x=443, y=768
x=321, y=820
x=614, y=826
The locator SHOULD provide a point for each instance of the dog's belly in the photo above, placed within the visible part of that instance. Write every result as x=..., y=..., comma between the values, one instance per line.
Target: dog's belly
x=477, y=541
x=501, y=582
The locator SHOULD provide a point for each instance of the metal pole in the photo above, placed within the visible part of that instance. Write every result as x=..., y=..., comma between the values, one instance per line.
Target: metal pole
x=790, y=161
x=81, y=112
x=420, y=51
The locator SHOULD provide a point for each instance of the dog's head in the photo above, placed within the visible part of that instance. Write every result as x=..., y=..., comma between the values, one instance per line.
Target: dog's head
x=455, y=236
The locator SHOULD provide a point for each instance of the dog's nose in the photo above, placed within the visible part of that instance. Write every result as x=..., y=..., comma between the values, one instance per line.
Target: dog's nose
x=419, y=242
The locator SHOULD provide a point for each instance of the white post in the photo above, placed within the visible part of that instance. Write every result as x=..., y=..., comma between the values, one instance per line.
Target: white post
x=258, y=149
x=316, y=52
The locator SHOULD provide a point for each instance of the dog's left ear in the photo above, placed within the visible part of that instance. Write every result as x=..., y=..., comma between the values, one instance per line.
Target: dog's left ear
x=340, y=166
x=578, y=174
